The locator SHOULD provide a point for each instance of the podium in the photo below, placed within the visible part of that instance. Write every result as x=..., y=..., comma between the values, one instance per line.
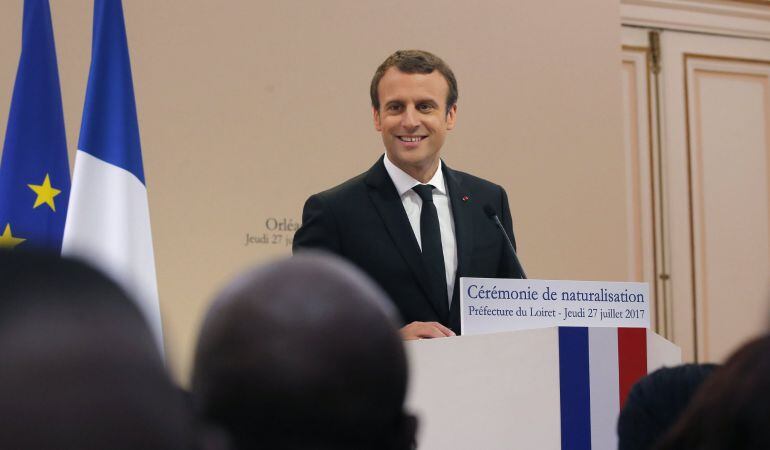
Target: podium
x=552, y=388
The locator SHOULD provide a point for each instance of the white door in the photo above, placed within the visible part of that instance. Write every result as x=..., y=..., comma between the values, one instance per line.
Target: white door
x=711, y=187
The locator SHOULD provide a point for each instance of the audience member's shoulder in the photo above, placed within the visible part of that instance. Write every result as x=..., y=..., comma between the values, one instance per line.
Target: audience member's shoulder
x=68, y=336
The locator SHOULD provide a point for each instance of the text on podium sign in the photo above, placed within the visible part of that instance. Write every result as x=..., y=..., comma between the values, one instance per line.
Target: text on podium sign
x=490, y=305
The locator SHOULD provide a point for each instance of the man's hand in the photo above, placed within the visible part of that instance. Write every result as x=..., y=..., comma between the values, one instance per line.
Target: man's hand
x=425, y=330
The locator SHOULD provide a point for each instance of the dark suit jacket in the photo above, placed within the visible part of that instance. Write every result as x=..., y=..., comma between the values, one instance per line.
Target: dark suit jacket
x=364, y=221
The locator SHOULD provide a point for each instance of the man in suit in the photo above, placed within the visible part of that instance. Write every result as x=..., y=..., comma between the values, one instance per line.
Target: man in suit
x=412, y=223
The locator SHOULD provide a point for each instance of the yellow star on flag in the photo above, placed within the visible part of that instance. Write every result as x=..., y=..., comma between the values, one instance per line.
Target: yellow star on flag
x=45, y=193
x=7, y=240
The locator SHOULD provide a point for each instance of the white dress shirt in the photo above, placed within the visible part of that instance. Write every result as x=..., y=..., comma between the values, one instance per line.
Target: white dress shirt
x=413, y=207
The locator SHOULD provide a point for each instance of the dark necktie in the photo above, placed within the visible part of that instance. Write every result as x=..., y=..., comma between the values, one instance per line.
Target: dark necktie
x=432, y=251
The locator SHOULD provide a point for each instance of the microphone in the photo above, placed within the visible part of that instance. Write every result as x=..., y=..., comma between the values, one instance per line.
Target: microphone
x=490, y=212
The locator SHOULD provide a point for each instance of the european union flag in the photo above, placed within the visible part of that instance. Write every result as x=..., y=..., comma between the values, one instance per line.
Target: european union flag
x=34, y=172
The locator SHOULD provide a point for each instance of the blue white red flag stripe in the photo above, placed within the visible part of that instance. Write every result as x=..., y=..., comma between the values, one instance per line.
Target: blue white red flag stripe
x=574, y=388
x=603, y=363
x=108, y=222
x=110, y=128
x=632, y=359
x=597, y=368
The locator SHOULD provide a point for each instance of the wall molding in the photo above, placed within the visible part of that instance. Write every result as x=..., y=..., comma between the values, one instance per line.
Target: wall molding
x=732, y=18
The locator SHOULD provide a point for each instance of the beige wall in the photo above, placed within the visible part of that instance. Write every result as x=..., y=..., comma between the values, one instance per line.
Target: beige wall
x=247, y=107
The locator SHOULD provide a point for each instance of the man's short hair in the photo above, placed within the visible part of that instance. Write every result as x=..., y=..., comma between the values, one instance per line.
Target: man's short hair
x=80, y=366
x=303, y=353
x=732, y=407
x=656, y=402
x=414, y=61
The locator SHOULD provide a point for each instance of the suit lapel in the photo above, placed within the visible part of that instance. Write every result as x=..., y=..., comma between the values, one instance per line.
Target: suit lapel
x=462, y=213
x=388, y=204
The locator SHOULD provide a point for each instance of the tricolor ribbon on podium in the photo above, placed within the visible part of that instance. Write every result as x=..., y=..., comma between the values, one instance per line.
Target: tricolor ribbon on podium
x=597, y=368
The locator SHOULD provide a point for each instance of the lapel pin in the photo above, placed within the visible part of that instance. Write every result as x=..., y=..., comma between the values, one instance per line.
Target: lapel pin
x=466, y=198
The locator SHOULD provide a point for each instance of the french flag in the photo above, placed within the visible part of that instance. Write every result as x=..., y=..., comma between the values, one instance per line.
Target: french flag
x=597, y=368
x=108, y=221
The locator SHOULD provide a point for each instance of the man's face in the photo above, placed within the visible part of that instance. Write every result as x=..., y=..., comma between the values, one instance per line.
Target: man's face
x=413, y=119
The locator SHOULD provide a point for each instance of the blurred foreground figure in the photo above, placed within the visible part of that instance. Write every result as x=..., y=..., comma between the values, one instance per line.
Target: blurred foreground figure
x=79, y=368
x=304, y=354
x=731, y=411
x=656, y=402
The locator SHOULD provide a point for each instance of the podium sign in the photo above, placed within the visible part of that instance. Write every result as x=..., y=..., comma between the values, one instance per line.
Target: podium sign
x=490, y=305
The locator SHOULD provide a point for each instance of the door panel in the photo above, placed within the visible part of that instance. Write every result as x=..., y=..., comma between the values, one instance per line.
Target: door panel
x=710, y=188
x=728, y=114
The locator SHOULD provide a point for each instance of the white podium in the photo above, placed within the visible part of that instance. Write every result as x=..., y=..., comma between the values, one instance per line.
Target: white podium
x=553, y=388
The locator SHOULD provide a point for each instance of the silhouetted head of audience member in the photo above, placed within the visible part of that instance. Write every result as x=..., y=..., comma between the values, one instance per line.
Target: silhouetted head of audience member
x=79, y=368
x=304, y=354
x=656, y=402
x=732, y=408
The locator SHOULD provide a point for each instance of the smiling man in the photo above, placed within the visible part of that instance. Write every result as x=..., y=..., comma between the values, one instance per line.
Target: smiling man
x=412, y=223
